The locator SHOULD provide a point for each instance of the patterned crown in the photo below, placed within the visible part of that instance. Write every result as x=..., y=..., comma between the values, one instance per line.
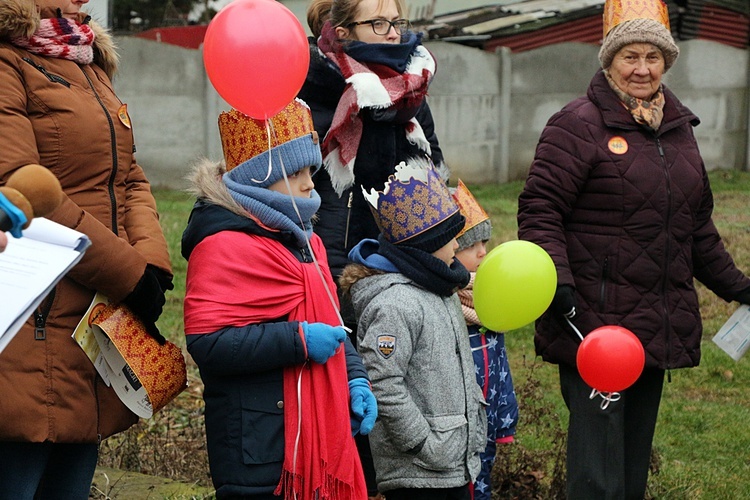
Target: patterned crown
x=414, y=200
x=469, y=207
x=619, y=11
x=243, y=137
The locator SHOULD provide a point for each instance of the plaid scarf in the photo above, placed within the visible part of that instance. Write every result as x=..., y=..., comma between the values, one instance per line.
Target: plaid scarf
x=648, y=113
x=375, y=86
x=61, y=38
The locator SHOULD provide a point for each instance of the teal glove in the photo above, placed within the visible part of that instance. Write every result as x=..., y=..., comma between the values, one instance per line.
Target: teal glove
x=322, y=340
x=364, y=406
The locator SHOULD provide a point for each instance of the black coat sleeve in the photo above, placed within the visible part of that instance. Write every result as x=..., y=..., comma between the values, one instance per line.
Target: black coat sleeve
x=354, y=366
x=248, y=349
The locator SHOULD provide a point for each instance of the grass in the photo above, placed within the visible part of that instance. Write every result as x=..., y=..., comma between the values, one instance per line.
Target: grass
x=702, y=442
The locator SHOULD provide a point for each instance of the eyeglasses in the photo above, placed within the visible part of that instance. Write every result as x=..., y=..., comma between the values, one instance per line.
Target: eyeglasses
x=383, y=26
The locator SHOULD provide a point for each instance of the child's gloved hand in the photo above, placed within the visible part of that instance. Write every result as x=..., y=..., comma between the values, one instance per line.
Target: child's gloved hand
x=364, y=406
x=322, y=340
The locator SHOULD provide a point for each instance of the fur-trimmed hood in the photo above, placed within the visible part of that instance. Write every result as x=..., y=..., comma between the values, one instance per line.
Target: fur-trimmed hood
x=20, y=18
x=205, y=182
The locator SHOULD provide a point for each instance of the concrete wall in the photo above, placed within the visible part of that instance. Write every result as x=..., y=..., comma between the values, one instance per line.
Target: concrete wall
x=489, y=109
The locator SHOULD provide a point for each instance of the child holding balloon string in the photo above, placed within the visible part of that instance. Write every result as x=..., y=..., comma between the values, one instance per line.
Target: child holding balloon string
x=262, y=321
x=488, y=347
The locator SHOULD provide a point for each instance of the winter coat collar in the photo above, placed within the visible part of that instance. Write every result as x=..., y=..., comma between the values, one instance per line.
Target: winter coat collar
x=20, y=18
x=216, y=211
x=616, y=116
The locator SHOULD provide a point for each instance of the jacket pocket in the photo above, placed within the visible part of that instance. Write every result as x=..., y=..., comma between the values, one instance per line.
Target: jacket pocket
x=478, y=441
x=445, y=447
x=262, y=424
x=50, y=76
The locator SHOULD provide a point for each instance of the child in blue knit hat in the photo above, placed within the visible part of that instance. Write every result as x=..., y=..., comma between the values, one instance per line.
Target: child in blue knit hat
x=488, y=347
x=262, y=320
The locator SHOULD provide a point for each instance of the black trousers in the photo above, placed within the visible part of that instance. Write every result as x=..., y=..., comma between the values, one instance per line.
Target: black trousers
x=609, y=449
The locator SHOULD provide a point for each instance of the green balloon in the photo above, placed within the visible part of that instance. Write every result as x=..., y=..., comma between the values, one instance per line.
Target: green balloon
x=514, y=285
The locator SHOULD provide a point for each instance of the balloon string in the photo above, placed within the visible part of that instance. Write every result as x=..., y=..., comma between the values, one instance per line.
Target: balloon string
x=307, y=240
x=607, y=397
x=567, y=318
x=269, y=131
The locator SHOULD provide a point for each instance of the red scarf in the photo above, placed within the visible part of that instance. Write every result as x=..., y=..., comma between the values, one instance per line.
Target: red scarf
x=61, y=38
x=235, y=279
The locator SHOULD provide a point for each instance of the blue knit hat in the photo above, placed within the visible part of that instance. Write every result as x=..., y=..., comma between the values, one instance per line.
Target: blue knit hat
x=294, y=143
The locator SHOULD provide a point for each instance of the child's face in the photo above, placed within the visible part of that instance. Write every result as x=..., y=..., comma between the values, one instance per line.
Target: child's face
x=447, y=252
x=472, y=256
x=300, y=182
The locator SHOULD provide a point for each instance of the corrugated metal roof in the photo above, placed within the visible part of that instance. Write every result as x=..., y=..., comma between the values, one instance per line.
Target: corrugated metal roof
x=523, y=25
x=586, y=30
x=709, y=21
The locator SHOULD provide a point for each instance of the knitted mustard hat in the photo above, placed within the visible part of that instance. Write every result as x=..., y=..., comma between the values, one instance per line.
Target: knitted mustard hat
x=478, y=225
x=246, y=143
x=415, y=208
x=637, y=21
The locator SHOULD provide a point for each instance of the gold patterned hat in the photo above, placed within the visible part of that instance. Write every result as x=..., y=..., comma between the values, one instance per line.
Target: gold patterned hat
x=246, y=145
x=636, y=21
x=478, y=225
x=619, y=11
x=415, y=208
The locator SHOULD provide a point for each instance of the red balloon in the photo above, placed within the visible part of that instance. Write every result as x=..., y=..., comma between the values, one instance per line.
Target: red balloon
x=256, y=55
x=610, y=358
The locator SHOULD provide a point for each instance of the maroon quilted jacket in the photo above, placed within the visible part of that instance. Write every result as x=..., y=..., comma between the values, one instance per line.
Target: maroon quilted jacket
x=626, y=216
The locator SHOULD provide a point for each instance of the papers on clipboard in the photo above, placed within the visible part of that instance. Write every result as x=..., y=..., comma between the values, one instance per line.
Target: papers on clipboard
x=734, y=336
x=31, y=266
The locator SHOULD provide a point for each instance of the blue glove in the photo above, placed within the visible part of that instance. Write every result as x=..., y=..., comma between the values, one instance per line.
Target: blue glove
x=322, y=340
x=364, y=406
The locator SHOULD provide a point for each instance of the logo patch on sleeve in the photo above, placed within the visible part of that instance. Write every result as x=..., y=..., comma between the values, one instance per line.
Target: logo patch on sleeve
x=386, y=345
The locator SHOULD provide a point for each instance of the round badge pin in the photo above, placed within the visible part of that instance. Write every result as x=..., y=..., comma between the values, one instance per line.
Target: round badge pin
x=618, y=145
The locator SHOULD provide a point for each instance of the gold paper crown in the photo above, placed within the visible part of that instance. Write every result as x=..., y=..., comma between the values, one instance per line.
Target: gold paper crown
x=469, y=207
x=619, y=11
x=243, y=137
x=159, y=369
x=414, y=200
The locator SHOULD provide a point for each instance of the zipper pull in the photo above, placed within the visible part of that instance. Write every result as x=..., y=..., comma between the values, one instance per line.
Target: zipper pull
x=348, y=218
x=40, y=333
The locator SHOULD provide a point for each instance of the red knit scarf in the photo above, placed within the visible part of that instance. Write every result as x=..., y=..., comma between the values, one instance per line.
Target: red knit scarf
x=61, y=38
x=235, y=279
x=370, y=85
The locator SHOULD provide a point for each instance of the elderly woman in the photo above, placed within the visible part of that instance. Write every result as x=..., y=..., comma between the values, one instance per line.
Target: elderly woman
x=619, y=197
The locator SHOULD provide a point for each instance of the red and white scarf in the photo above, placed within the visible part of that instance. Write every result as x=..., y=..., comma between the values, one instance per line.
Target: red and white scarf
x=61, y=38
x=371, y=85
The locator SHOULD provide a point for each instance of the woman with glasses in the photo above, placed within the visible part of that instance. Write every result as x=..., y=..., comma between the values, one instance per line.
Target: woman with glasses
x=370, y=124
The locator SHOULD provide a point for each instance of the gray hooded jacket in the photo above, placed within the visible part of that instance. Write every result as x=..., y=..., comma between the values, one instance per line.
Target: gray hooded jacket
x=415, y=346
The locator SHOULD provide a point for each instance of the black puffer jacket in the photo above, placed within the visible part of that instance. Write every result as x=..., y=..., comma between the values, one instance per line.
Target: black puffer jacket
x=626, y=216
x=343, y=221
